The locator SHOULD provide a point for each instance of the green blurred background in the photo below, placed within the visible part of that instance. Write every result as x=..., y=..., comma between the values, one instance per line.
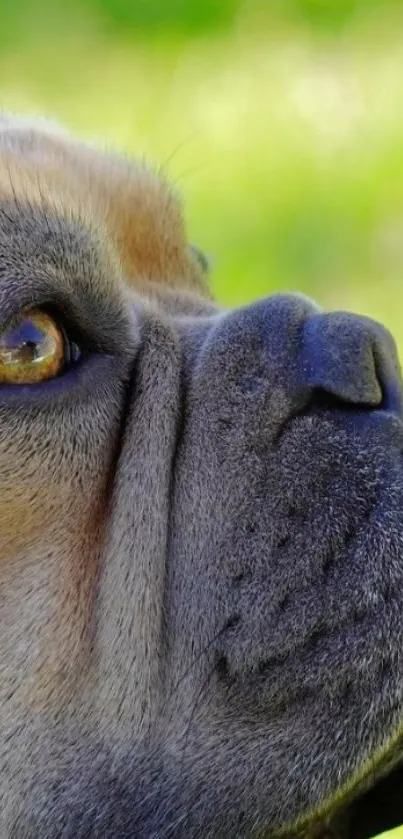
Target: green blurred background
x=281, y=122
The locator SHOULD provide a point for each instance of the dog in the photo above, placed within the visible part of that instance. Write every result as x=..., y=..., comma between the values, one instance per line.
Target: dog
x=201, y=529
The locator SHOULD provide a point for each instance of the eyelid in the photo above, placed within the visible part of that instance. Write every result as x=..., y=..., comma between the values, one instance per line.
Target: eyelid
x=82, y=382
x=109, y=327
x=72, y=330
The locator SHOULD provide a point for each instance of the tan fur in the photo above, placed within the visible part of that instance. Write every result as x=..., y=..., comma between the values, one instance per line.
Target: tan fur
x=50, y=534
x=136, y=206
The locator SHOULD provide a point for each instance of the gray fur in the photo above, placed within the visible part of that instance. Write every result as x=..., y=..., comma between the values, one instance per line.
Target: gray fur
x=201, y=539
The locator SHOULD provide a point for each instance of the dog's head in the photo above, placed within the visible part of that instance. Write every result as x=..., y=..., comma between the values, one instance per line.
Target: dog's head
x=201, y=530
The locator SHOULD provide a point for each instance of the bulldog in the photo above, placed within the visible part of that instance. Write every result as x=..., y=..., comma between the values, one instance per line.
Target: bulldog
x=201, y=529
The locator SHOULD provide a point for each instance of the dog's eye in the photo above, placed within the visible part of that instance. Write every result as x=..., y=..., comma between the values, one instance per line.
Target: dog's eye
x=34, y=348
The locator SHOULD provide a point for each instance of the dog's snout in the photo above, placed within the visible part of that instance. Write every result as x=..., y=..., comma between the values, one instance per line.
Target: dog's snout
x=304, y=356
x=352, y=359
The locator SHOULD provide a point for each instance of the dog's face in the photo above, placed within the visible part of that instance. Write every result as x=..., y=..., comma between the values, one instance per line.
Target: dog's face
x=201, y=530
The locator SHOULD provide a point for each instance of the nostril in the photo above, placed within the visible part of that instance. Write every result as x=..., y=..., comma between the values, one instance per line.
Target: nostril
x=391, y=389
x=392, y=400
x=348, y=360
x=325, y=401
x=387, y=370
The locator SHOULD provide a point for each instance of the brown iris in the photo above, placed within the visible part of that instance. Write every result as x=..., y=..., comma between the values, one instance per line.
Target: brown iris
x=32, y=350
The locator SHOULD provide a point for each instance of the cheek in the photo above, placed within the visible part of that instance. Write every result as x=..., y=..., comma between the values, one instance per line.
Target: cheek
x=53, y=477
x=27, y=514
x=39, y=504
x=48, y=572
x=52, y=510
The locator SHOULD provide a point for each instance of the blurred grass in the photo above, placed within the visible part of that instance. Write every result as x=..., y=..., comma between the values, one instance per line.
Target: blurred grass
x=281, y=123
x=284, y=132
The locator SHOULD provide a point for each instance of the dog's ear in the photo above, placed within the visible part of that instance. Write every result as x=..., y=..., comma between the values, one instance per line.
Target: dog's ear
x=144, y=217
x=139, y=210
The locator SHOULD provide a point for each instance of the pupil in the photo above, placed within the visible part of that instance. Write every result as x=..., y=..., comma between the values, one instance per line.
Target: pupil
x=25, y=333
x=29, y=351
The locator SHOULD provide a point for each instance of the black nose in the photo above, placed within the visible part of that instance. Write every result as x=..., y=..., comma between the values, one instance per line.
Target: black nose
x=351, y=358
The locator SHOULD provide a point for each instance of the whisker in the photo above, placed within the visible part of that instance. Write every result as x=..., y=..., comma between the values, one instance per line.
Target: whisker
x=192, y=170
x=178, y=148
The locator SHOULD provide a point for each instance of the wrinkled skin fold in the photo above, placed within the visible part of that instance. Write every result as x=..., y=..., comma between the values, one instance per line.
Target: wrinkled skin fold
x=201, y=533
